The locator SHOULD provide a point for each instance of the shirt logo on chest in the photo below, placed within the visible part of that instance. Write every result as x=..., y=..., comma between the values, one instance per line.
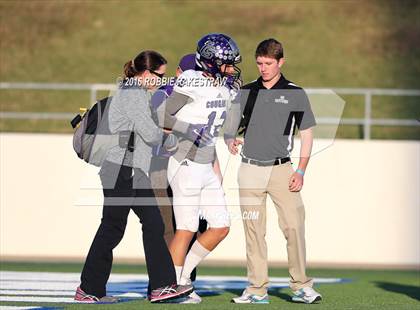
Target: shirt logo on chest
x=282, y=100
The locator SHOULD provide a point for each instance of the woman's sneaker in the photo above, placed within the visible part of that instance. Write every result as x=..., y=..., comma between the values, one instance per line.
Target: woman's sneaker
x=307, y=295
x=170, y=292
x=81, y=296
x=192, y=298
x=247, y=298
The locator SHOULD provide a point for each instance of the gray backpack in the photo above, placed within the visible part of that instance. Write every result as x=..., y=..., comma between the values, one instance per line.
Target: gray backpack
x=92, y=138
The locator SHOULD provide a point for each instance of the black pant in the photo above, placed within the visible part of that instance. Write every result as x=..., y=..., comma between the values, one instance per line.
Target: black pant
x=118, y=201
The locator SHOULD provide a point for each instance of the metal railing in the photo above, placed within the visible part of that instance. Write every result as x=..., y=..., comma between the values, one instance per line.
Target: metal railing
x=366, y=121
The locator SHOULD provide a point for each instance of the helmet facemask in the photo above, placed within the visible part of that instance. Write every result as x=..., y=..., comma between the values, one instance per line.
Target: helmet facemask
x=229, y=78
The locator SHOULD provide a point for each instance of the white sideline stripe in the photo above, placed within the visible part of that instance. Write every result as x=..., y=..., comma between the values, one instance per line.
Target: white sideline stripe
x=57, y=277
x=129, y=295
x=60, y=293
x=63, y=276
x=18, y=308
x=23, y=285
x=38, y=299
x=272, y=279
x=54, y=286
x=37, y=292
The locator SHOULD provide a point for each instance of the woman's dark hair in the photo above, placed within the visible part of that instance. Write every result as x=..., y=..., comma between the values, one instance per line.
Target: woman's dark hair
x=147, y=60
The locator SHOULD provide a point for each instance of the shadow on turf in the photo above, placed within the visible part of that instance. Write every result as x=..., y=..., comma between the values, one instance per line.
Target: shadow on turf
x=280, y=294
x=271, y=292
x=409, y=290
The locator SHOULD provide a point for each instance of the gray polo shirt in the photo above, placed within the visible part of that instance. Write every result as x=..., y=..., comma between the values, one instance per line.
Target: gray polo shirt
x=269, y=126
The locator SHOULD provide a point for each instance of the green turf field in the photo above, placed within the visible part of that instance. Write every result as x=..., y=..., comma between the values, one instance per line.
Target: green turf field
x=369, y=44
x=365, y=289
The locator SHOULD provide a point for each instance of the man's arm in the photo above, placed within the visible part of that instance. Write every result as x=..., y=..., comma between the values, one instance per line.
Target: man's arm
x=296, y=181
x=306, y=137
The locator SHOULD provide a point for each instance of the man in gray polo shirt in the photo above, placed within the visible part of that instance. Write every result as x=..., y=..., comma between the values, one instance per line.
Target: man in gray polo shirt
x=272, y=108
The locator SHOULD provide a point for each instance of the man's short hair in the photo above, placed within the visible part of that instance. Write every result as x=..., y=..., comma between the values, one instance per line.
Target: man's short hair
x=269, y=48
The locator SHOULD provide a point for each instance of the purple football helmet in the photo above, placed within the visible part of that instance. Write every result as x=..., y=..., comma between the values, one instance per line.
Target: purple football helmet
x=215, y=50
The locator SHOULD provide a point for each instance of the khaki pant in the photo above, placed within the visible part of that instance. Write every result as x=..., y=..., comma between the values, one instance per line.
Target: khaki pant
x=255, y=183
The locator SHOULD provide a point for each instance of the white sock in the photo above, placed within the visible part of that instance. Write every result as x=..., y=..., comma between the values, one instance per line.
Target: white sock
x=194, y=257
x=178, y=271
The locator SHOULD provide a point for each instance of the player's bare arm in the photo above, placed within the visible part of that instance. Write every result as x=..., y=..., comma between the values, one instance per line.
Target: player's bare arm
x=168, y=109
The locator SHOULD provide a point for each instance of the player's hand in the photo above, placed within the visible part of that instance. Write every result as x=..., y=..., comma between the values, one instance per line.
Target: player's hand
x=195, y=131
x=170, y=143
x=233, y=145
x=167, y=148
x=237, y=84
x=236, y=88
x=199, y=134
x=296, y=182
x=205, y=139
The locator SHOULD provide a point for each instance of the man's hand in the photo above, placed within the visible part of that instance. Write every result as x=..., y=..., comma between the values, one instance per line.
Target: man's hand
x=296, y=182
x=233, y=145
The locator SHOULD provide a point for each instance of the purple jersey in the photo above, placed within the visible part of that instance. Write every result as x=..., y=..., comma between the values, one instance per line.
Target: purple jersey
x=157, y=99
x=160, y=96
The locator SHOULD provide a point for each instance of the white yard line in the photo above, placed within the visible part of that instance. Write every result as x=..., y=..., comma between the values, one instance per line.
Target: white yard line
x=20, y=308
x=30, y=285
x=63, y=293
x=64, y=276
x=37, y=292
x=56, y=287
x=37, y=299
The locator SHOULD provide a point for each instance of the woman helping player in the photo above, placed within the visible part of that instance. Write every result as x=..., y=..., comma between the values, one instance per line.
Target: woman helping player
x=195, y=112
x=127, y=187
